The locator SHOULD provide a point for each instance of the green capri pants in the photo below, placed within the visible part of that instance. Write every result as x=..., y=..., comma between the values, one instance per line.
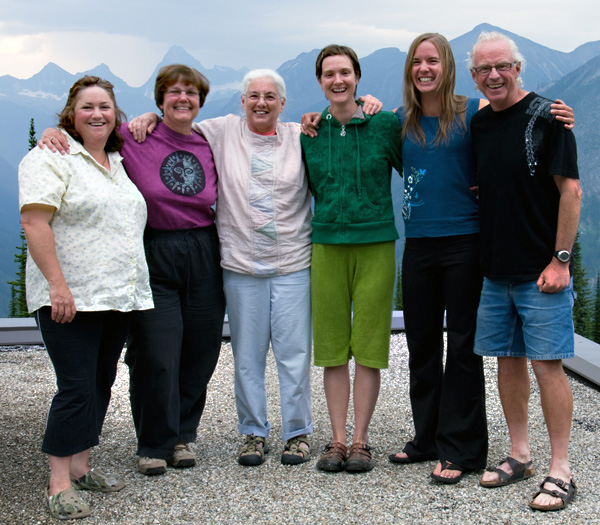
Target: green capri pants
x=347, y=278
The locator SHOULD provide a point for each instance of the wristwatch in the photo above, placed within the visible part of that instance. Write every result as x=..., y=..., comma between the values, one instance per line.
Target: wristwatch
x=563, y=256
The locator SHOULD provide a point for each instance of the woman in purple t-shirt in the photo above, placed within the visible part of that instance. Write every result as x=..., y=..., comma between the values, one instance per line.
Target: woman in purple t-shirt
x=173, y=349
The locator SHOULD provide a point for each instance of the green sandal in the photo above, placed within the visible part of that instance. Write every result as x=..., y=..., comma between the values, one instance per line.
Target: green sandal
x=67, y=505
x=253, y=451
x=294, y=453
x=97, y=481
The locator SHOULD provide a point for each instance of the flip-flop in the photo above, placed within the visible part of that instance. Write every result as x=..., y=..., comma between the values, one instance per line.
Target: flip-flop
x=407, y=460
x=395, y=459
x=446, y=465
x=520, y=472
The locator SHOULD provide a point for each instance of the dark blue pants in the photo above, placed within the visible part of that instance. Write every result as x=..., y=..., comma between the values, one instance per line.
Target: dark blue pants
x=84, y=353
x=173, y=349
x=448, y=402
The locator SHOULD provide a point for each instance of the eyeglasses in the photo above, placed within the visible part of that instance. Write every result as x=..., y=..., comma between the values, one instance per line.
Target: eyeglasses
x=175, y=92
x=255, y=97
x=502, y=67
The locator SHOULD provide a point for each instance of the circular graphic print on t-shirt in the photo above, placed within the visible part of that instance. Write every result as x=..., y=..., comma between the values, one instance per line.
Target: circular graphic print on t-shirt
x=182, y=173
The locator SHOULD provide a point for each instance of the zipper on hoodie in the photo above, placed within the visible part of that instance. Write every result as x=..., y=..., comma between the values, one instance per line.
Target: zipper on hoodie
x=343, y=181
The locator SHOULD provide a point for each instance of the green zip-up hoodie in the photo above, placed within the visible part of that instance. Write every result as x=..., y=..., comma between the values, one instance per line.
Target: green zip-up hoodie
x=349, y=167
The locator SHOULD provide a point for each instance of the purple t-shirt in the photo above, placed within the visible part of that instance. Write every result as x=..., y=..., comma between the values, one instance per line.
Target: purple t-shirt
x=176, y=175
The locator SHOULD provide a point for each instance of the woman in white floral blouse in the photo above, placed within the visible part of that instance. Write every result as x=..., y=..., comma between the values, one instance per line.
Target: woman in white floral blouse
x=84, y=222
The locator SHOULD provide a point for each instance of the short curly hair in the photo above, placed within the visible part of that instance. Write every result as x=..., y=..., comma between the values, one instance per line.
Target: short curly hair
x=169, y=75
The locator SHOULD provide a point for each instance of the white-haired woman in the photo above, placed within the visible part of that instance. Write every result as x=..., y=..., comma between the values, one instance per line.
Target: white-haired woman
x=263, y=223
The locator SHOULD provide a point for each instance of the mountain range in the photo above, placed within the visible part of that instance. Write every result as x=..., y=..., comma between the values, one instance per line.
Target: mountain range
x=573, y=77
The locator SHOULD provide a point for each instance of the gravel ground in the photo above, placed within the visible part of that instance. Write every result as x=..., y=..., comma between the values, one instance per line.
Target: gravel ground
x=218, y=490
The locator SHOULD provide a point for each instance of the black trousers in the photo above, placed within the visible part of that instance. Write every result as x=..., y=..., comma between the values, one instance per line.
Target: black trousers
x=448, y=402
x=84, y=354
x=173, y=349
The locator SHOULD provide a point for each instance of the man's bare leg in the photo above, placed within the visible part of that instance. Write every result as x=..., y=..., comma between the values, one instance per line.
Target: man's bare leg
x=513, y=385
x=557, y=405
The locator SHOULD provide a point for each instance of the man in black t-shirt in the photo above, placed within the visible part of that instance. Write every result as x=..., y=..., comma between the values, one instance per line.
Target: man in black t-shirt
x=530, y=200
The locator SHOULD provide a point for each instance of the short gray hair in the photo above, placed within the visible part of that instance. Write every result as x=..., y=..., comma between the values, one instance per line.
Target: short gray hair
x=492, y=36
x=264, y=73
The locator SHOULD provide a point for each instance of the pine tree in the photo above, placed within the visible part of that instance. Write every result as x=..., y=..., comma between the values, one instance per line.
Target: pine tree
x=582, y=307
x=32, y=139
x=398, y=304
x=13, y=301
x=18, y=299
x=595, y=335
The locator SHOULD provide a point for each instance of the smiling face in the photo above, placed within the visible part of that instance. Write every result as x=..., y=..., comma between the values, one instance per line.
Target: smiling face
x=427, y=72
x=338, y=80
x=500, y=88
x=94, y=116
x=262, y=105
x=181, y=103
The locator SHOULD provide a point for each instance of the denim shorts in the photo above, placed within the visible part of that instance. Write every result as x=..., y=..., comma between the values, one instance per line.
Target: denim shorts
x=517, y=320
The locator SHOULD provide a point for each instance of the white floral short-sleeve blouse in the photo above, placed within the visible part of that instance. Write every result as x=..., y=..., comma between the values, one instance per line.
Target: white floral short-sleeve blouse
x=98, y=229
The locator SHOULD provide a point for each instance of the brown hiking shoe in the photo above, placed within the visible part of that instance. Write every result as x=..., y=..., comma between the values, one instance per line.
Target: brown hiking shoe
x=152, y=466
x=183, y=456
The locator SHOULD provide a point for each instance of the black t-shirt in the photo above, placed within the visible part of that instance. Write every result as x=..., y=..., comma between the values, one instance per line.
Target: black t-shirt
x=517, y=153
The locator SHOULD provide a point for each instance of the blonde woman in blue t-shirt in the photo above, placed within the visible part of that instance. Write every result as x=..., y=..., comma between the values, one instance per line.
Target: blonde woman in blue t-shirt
x=440, y=268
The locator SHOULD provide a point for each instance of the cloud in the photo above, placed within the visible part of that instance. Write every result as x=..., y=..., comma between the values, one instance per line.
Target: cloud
x=132, y=36
x=130, y=57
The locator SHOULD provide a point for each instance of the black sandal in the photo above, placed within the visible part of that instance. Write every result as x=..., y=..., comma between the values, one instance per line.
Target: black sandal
x=421, y=458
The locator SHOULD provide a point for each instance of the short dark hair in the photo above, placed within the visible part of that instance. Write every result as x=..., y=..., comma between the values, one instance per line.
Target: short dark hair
x=335, y=50
x=66, y=118
x=169, y=75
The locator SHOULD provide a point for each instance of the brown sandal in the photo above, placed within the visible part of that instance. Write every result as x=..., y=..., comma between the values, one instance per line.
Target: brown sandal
x=334, y=457
x=520, y=472
x=570, y=490
x=359, y=459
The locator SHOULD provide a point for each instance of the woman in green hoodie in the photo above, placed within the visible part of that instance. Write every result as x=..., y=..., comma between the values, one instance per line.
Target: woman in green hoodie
x=349, y=165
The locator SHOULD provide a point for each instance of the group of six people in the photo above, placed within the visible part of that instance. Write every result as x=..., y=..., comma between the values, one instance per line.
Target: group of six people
x=300, y=282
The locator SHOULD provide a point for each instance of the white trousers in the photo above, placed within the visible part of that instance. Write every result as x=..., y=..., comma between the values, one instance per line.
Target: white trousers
x=275, y=309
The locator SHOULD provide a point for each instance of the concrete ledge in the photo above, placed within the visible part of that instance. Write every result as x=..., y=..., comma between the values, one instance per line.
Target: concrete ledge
x=24, y=331
x=586, y=362
x=19, y=331
x=397, y=321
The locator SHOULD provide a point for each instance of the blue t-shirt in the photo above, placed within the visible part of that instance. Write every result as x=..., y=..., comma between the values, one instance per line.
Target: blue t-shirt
x=438, y=201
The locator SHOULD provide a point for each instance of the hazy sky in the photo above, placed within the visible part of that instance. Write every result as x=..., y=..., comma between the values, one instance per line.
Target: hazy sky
x=132, y=36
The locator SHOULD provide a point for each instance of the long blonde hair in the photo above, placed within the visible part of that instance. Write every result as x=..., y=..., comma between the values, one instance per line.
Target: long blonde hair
x=452, y=105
